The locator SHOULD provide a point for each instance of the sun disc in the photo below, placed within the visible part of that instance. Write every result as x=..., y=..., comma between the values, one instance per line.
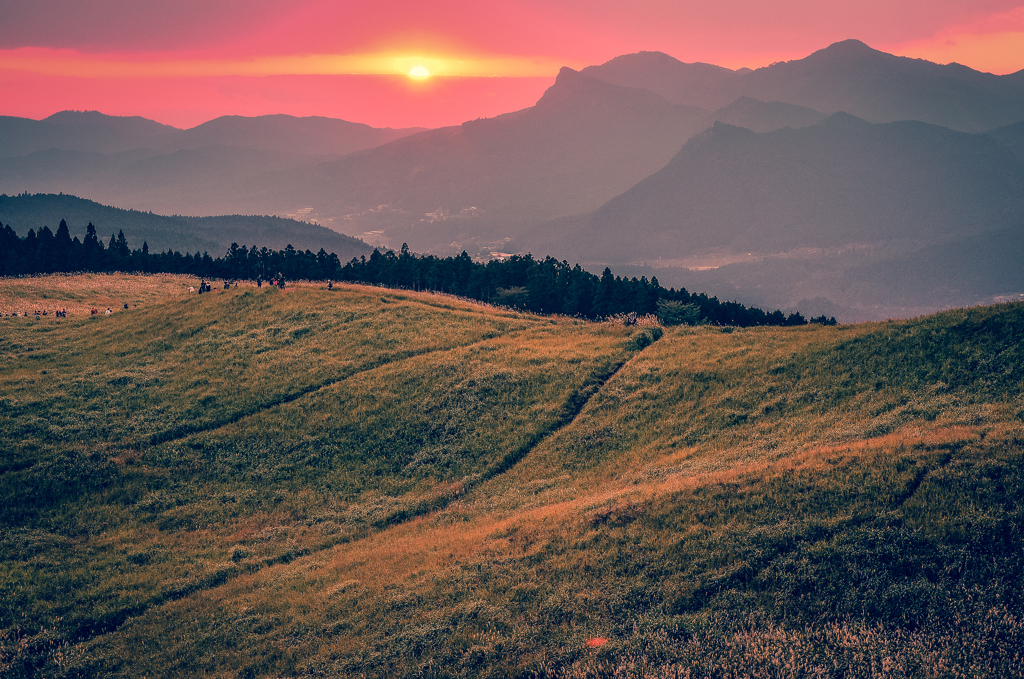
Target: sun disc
x=419, y=72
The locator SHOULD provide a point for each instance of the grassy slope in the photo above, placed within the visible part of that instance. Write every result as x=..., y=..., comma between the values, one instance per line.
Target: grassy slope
x=363, y=481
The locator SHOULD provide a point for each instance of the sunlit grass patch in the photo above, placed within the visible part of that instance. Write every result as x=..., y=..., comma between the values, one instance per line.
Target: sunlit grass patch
x=79, y=293
x=659, y=572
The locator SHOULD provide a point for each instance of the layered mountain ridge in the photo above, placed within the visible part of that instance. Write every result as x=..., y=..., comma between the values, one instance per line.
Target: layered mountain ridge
x=100, y=133
x=850, y=153
x=841, y=181
x=847, y=76
x=824, y=211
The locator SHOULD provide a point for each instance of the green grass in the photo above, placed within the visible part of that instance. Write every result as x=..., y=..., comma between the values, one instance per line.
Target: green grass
x=368, y=482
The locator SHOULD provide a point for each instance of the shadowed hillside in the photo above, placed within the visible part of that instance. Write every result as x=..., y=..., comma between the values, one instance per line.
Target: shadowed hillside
x=759, y=116
x=843, y=181
x=259, y=482
x=1012, y=136
x=183, y=234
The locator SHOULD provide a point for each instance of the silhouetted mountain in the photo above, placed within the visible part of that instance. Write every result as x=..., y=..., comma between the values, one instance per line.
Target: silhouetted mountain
x=583, y=142
x=824, y=198
x=313, y=136
x=135, y=126
x=191, y=234
x=100, y=133
x=139, y=164
x=776, y=186
x=850, y=76
x=80, y=131
x=846, y=76
x=704, y=85
x=842, y=181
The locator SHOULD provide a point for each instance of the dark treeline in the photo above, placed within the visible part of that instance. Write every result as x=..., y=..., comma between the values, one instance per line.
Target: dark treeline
x=545, y=286
x=48, y=252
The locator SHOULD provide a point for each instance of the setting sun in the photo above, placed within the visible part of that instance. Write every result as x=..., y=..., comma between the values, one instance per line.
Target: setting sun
x=419, y=72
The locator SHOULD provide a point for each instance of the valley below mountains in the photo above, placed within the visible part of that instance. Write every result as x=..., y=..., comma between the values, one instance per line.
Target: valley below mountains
x=851, y=183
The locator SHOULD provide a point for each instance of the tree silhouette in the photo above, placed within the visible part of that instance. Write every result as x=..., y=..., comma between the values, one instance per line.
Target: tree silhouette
x=545, y=286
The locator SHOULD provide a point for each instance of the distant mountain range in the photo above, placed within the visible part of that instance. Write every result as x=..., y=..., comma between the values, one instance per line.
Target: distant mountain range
x=796, y=183
x=139, y=164
x=823, y=211
x=842, y=181
x=99, y=133
x=847, y=76
x=583, y=142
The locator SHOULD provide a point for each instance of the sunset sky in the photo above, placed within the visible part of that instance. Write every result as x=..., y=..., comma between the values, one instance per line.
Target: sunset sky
x=188, y=61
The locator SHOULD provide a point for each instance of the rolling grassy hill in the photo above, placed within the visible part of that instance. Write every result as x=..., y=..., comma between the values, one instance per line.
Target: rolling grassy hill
x=371, y=482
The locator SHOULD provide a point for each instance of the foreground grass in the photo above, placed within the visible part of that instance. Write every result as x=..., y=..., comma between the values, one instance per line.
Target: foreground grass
x=368, y=482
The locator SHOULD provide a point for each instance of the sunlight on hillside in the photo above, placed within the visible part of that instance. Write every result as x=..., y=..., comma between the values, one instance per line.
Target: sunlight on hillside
x=363, y=481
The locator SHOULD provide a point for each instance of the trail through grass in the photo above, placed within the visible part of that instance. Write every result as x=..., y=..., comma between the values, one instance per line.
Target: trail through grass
x=369, y=482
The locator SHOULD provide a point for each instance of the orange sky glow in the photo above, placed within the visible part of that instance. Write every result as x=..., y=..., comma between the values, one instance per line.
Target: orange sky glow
x=188, y=61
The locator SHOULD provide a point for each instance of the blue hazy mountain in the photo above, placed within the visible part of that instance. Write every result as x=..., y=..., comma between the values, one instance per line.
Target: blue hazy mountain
x=846, y=193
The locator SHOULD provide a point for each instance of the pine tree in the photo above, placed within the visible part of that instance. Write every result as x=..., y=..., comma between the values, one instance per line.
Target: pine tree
x=92, y=249
x=605, y=297
x=63, y=258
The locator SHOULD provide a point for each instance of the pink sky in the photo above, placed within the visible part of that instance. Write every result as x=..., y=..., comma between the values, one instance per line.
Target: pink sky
x=187, y=61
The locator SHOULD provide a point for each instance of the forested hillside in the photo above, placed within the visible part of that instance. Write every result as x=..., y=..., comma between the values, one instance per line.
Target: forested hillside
x=547, y=286
x=182, y=233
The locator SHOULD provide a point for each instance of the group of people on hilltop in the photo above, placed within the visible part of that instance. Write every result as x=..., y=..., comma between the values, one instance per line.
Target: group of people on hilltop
x=58, y=313
x=206, y=287
x=277, y=281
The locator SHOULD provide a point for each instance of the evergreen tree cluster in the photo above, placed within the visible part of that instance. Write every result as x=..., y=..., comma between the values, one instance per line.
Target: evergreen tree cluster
x=545, y=286
x=550, y=286
x=47, y=252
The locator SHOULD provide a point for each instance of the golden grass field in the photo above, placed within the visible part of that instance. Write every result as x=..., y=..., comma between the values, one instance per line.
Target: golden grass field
x=371, y=482
x=79, y=293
